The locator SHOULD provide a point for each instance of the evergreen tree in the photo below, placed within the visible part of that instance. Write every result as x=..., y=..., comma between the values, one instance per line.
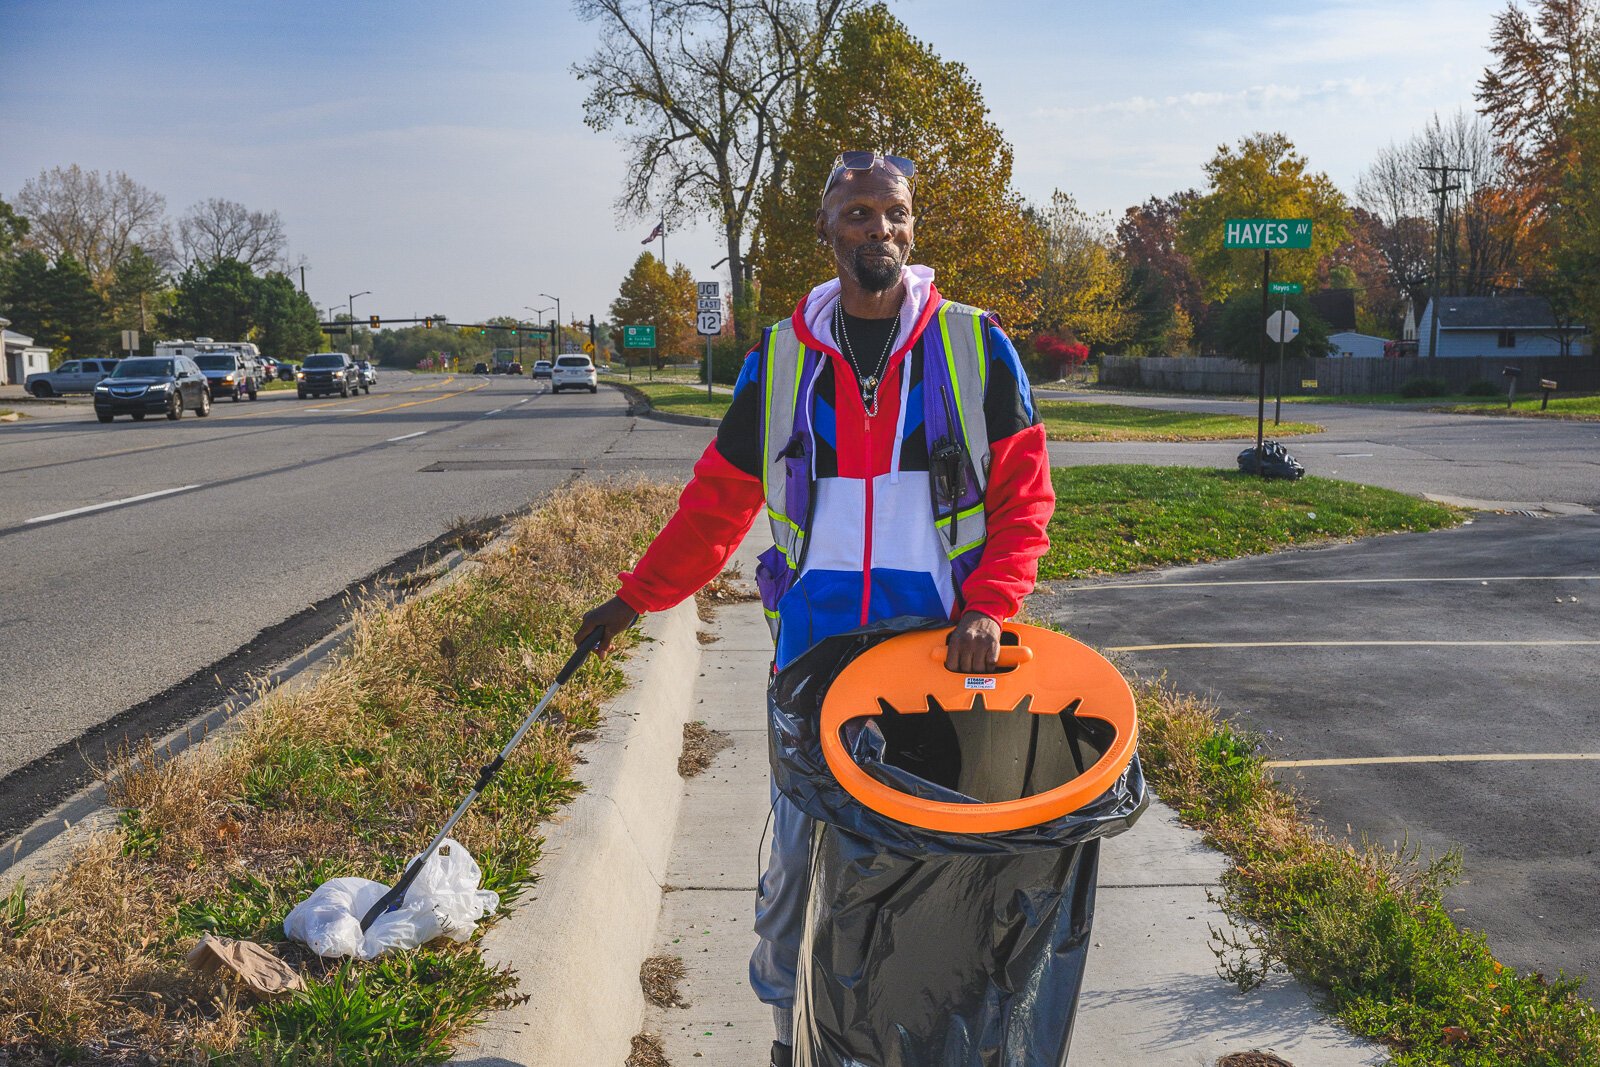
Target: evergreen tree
x=140, y=292
x=217, y=301
x=285, y=319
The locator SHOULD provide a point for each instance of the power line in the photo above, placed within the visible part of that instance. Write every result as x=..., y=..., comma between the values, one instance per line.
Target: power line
x=1442, y=189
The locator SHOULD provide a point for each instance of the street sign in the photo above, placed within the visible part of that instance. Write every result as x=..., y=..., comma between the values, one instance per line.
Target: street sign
x=1283, y=288
x=638, y=337
x=1308, y=383
x=130, y=340
x=708, y=323
x=1283, y=326
x=709, y=290
x=1267, y=233
x=588, y=346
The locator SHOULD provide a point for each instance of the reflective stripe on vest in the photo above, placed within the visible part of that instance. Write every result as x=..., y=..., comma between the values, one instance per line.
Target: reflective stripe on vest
x=959, y=347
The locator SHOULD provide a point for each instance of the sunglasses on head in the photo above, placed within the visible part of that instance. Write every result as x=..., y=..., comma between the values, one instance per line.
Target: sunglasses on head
x=844, y=161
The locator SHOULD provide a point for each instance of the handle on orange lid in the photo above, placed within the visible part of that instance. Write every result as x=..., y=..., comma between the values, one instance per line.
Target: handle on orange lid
x=1010, y=656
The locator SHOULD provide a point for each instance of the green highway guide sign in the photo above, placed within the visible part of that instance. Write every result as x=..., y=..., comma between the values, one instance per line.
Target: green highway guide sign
x=638, y=337
x=1267, y=233
x=1284, y=288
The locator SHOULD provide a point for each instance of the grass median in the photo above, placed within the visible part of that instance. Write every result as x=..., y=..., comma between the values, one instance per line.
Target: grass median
x=348, y=775
x=1364, y=925
x=1067, y=420
x=678, y=398
x=1574, y=408
x=1115, y=518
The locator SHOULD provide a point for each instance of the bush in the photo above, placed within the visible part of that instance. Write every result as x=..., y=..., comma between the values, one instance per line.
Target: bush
x=1420, y=387
x=1484, y=388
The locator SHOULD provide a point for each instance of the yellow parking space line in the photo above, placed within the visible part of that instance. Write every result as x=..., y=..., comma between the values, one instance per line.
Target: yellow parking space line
x=1349, y=644
x=1481, y=757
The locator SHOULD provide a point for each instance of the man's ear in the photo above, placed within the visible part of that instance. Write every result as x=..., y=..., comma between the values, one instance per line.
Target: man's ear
x=822, y=227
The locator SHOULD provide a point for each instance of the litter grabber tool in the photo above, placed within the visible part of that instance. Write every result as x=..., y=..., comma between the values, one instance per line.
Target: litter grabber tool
x=486, y=773
x=956, y=821
x=437, y=895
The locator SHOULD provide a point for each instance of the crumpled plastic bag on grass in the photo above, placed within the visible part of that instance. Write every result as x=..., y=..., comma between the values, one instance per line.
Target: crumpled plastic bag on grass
x=444, y=901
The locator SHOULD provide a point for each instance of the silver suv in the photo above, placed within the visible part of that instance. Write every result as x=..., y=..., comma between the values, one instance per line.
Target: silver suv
x=573, y=372
x=228, y=374
x=73, y=376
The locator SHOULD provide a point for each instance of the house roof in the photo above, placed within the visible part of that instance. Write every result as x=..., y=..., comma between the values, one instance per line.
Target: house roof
x=12, y=337
x=1495, y=313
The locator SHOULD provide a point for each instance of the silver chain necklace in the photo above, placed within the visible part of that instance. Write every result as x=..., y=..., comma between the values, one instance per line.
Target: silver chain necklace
x=869, y=382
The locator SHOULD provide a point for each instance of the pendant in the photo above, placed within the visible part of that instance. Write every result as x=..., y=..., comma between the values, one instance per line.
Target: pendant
x=869, y=384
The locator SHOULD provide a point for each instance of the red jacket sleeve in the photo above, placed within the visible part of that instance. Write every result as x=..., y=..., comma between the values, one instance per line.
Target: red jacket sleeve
x=715, y=511
x=1020, y=501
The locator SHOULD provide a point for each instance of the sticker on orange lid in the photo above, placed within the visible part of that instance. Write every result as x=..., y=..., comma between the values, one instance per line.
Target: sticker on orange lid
x=980, y=683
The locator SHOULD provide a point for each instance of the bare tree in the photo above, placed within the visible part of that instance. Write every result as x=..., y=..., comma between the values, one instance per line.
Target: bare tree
x=96, y=219
x=217, y=229
x=705, y=91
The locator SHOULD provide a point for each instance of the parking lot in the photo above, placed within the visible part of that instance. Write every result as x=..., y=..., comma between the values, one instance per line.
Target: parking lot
x=1437, y=690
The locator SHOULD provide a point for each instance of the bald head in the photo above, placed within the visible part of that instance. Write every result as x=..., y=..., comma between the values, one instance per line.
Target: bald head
x=866, y=221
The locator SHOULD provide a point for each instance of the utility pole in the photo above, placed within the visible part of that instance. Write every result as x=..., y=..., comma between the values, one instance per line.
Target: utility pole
x=1442, y=188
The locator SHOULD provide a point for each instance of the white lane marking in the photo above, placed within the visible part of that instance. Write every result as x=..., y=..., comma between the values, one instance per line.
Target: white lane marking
x=1495, y=757
x=524, y=400
x=113, y=503
x=496, y=411
x=1352, y=455
x=1335, y=581
x=1351, y=644
x=408, y=436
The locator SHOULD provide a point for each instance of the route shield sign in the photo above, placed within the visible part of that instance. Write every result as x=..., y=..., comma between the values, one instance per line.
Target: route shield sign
x=638, y=337
x=1267, y=233
x=1283, y=288
x=708, y=323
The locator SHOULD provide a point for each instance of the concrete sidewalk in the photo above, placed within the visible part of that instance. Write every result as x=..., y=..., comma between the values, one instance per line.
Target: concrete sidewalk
x=1152, y=994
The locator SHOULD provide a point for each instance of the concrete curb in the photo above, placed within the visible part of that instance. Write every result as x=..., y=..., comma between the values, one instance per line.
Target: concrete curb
x=639, y=405
x=577, y=941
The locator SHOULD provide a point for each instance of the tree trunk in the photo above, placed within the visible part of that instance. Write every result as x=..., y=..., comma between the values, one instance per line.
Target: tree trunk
x=736, y=287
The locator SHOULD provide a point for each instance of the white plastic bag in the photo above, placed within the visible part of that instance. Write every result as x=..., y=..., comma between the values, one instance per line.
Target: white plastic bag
x=444, y=900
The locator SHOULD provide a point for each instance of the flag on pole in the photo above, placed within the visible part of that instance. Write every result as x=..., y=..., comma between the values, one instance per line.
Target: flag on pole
x=653, y=233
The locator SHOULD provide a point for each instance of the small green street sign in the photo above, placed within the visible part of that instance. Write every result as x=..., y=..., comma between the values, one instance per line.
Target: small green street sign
x=1267, y=233
x=1284, y=288
x=638, y=337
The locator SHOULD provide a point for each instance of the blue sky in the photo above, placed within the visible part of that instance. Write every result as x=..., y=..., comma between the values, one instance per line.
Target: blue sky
x=435, y=153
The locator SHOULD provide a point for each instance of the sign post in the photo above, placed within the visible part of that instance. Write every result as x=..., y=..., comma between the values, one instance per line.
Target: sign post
x=1265, y=234
x=708, y=319
x=1283, y=289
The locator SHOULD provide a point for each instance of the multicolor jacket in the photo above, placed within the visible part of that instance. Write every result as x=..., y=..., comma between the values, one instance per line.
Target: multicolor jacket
x=871, y=547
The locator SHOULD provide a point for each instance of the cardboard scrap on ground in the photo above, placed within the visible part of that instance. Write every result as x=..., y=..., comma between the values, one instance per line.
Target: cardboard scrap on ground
x=262, y=973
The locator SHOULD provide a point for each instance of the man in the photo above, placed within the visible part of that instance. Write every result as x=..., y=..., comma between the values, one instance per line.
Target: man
x=892, y=439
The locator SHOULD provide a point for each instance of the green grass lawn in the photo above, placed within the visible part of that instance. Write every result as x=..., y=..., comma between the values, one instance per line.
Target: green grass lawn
x=1579, y=408
x=1072, y=421
x=682, y=399
x=1116, y=518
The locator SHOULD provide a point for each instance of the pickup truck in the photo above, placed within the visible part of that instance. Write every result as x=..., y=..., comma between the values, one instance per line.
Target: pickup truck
x=73, y=376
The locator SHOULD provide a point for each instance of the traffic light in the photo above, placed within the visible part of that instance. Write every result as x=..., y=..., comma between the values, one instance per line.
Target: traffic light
x=373, y=320
x=427, y=324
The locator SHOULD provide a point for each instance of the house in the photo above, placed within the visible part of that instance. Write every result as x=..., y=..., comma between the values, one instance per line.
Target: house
x=1498, y=326
x=21, y=357
x=1350, y=344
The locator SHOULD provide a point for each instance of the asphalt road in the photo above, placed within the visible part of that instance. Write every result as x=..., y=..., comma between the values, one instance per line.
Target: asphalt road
x=250, y=517
x=1466, y=457
x=1478, y=641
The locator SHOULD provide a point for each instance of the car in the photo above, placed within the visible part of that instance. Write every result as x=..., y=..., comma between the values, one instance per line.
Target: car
x=541, y=368
x=269, y=369
x=286, y=370
x=153, y=385
x=73, y=376
x=228, y=374
x=323, y=373
x=514, y=368
x=480, y=368
x=369, y=374
x=573, y=372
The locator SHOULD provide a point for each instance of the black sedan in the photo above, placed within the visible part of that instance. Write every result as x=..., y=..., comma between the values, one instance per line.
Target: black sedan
x=160, y=386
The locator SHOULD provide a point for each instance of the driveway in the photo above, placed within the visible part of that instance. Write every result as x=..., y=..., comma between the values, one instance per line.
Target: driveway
x=1444, y=686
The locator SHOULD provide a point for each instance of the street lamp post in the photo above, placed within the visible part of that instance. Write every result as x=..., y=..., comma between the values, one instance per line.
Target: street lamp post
x=350, y=303
x=555, y=342
x=543, y=311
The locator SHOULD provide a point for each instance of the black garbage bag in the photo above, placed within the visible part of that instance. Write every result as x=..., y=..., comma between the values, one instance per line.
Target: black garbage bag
x=1275, y=462
x=931, y=949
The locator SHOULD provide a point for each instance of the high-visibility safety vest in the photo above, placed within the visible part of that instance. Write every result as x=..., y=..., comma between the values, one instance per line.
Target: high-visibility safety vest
x=954, y=375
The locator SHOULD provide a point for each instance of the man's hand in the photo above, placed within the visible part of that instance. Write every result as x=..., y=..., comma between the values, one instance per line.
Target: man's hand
x=614, y=616
x=974, y=647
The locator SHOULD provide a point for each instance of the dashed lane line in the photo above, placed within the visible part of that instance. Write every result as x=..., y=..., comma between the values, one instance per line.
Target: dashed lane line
x=406, y=436
x=1470, y=757
x=1181, y=646
x=110, y=504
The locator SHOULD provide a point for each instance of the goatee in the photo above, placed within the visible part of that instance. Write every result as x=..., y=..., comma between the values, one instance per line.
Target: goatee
x=876, y=275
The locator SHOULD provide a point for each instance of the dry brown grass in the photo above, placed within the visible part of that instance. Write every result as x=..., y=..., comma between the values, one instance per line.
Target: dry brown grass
x=345, y=775
x=659, y=977
x=648, y=1051
x=700, y=746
